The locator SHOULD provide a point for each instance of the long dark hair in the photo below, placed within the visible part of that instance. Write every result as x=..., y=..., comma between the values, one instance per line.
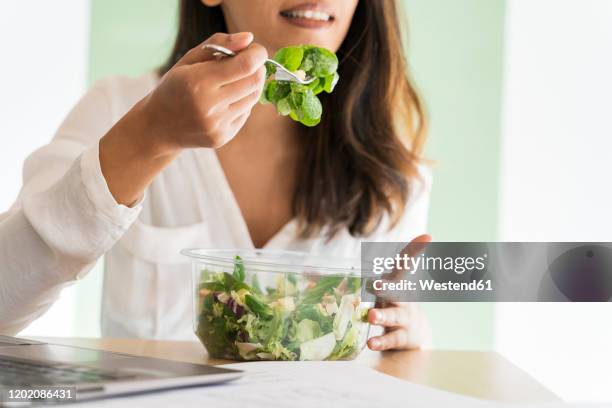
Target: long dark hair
x=359, y=161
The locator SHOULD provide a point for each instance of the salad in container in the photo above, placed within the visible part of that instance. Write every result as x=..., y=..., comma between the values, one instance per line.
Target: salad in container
x=277, y=305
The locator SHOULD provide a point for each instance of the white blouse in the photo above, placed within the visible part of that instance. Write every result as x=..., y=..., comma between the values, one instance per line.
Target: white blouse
x=65, y=219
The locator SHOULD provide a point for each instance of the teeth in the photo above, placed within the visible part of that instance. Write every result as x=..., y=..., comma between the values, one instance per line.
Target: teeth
x=309, y=15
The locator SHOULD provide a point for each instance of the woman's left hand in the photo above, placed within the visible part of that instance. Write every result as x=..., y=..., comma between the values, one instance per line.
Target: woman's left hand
x=406, y=326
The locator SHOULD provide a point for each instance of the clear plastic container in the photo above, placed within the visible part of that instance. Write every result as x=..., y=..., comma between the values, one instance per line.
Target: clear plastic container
x=277, y=305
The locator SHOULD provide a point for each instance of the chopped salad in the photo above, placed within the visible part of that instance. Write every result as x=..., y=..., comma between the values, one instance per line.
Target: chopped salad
x=296, y=318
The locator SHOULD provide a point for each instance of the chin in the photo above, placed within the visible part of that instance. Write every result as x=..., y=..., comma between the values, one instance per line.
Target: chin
x=317, y=40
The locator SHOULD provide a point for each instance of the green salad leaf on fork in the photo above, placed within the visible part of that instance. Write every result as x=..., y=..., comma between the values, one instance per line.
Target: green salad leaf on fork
x=300, y=102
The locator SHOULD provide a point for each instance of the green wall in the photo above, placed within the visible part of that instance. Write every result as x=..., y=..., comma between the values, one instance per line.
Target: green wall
x=130, y=37
x=455, y=50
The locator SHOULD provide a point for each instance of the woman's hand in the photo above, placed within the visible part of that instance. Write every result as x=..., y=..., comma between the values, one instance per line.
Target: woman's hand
x=405, y=324
x=204, y=101
x=200, y=102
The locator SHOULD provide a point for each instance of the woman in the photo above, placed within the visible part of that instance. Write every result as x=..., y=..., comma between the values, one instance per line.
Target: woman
x=123, y=178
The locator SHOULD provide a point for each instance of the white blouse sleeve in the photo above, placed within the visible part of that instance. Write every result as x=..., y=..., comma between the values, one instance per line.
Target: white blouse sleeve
x=64, y=219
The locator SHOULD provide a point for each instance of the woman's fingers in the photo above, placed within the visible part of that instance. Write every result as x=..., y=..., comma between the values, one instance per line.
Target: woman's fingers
x=244, y=87
x=413, y=249
x=406, y=327
x=394, y=316
x=216, y=94
x=239, y=122
x=229, y=70
x=234, y=42
x=246, y=63
x=244, y=105
x=395, y=339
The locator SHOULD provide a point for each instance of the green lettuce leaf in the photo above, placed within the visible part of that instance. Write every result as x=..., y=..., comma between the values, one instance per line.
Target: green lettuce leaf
x=300, y=102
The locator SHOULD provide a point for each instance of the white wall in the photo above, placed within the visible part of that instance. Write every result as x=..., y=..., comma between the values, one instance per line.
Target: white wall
x=555, y=184
x=43, y=71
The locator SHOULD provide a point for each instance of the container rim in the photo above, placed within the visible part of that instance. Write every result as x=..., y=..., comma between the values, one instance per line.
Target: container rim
x=278, y=260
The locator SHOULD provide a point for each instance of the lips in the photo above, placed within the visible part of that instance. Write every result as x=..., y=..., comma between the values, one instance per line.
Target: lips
x=307, y=14
x=310, y=15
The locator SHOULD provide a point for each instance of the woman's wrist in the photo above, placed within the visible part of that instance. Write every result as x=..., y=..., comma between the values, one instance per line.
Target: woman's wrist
x=132, y=153
x=145, y=135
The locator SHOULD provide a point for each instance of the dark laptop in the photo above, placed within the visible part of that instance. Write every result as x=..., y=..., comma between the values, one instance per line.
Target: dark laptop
x=92, y=373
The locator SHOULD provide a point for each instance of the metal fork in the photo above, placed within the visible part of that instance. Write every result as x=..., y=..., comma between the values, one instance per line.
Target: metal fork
x=281, y=74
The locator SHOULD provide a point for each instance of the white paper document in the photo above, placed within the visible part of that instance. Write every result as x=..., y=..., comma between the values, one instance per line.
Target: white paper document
x=305, y=385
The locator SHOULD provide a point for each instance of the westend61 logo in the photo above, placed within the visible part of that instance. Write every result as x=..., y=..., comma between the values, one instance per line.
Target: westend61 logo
x=487, y=271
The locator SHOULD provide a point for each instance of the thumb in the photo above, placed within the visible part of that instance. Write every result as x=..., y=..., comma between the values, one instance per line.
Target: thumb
x=234, y=42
